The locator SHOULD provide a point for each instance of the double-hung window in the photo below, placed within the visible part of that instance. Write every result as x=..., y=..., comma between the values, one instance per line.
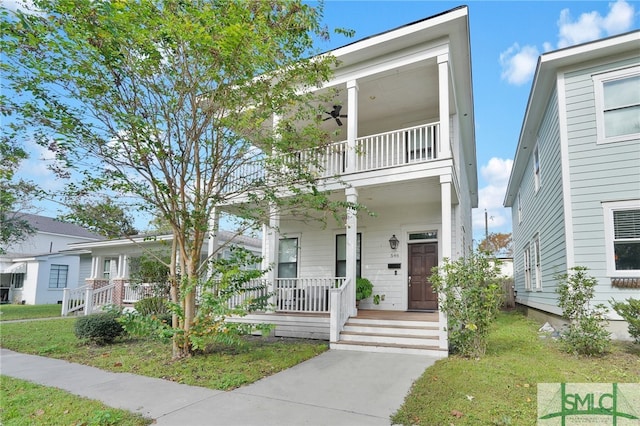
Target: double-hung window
x=536, y=169
x=536, y=261
x=341, y=256
x=288, y=258
x=58, y=276
x=617, y=99
x=527, y=268
x=622, y=238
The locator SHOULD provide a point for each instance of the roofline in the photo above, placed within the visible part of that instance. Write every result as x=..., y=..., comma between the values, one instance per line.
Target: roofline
x=543, y=83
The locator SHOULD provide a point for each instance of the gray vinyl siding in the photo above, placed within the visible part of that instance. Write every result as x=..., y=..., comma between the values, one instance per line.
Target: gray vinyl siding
x=598, y=173
x=542, y=214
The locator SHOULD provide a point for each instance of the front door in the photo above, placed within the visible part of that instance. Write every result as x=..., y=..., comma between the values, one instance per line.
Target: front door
x=422, y=257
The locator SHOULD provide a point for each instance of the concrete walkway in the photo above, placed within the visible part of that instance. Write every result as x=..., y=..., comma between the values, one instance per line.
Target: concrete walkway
x=334, y=388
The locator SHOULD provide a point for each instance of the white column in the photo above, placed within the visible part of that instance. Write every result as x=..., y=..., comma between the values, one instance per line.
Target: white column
x=94, y=267
x=443, y=95
x=445, y=197
x=445, y=243
x=270, y=237
x=352, y=124
x=352, y=246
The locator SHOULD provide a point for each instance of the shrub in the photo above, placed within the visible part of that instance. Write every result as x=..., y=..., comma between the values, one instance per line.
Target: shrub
x=630, y=311
x=99, y=328
x=470, y=295
x=152, y=306
x=587, y=334
x=364, y=288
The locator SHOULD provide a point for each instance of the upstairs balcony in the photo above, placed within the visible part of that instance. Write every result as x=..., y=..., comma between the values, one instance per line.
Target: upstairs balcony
x=411, y=145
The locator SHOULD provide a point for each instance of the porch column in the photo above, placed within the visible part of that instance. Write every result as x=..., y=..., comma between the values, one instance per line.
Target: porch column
x=270, y=236
x=352, y=125
x=352, y=246
x=445, y=242
x=443, y=96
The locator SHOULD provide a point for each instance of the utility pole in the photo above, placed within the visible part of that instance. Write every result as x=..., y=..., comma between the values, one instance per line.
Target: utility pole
x=486, y=225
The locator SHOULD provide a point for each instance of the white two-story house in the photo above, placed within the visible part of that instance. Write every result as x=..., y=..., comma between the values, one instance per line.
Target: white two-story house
x=574, y=188
x=405, y=149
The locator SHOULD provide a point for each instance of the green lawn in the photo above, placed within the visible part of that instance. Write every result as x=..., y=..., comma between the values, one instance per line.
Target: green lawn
x=17, y=312
x=25, y=403
x=221, y=368
x=501, y=388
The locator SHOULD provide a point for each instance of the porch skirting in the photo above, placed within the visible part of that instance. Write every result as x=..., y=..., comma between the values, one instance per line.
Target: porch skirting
x=300, y=325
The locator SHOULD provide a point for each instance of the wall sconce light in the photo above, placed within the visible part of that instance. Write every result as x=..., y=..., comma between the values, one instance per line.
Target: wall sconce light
x=393, y=242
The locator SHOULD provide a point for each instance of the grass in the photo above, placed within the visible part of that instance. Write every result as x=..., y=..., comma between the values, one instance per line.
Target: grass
x=26, y=403
x=221, y=368
x=501, y=387
x=18, y=312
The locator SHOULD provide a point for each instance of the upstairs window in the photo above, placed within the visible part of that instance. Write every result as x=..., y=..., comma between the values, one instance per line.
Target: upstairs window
x=622, y=238
x=617, y=96
x=536, y=169
x=519, y=209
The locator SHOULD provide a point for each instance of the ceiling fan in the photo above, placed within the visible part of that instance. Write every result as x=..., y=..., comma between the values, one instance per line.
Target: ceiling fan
x=335, y=114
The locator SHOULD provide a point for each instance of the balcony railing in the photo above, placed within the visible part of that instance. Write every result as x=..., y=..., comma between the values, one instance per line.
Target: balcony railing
x=389, y=149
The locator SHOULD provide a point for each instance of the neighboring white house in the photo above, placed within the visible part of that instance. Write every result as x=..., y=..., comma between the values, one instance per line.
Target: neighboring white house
x=404, y=148
x=574, y=188
x=36, y=270
x=110, y=265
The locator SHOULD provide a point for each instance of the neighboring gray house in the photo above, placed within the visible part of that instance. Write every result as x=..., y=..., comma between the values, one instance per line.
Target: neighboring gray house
x=575, y=184
x=36, y=270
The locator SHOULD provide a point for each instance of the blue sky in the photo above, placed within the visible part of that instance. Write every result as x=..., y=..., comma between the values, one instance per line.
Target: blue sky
x=506, y=40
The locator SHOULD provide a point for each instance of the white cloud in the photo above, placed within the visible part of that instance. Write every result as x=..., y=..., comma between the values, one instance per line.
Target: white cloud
x=36, y=167
x=490, y=197
x=25, y=6
x=518, y=63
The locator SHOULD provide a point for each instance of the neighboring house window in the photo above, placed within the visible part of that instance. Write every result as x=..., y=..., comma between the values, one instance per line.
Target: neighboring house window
x=527, y=268
x=288, y=258
x=106, y=270
x=341, y=256
x=536, y=169
x=58, y=276
x=17, y=281
x=622, y=238
x=617, y=96
x=536, y=259
x=519, y=209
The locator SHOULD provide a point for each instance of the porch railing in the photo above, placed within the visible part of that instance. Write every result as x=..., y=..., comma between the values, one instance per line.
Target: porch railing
x=405, y=146
x=305, y=294
x=340, y=310
x=134, y=293
x=389, y=149
x=86, y=299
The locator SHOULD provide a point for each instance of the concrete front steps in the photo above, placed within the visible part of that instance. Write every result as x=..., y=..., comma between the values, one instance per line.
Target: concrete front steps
x=391, y=336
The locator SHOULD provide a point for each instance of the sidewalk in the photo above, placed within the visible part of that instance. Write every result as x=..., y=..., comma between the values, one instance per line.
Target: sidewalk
x=334, y=388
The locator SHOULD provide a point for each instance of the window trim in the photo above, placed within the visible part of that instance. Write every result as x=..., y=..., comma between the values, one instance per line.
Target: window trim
x=519, y=201
x=537, y=255
x=537, y=179
x=608, y=209
x=17, y=279
x=599, y=81
x=527, y=268
x=297, y=262
x=59, y=268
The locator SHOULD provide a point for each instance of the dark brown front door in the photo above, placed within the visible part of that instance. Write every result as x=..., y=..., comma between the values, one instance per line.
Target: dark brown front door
x=422, y=257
